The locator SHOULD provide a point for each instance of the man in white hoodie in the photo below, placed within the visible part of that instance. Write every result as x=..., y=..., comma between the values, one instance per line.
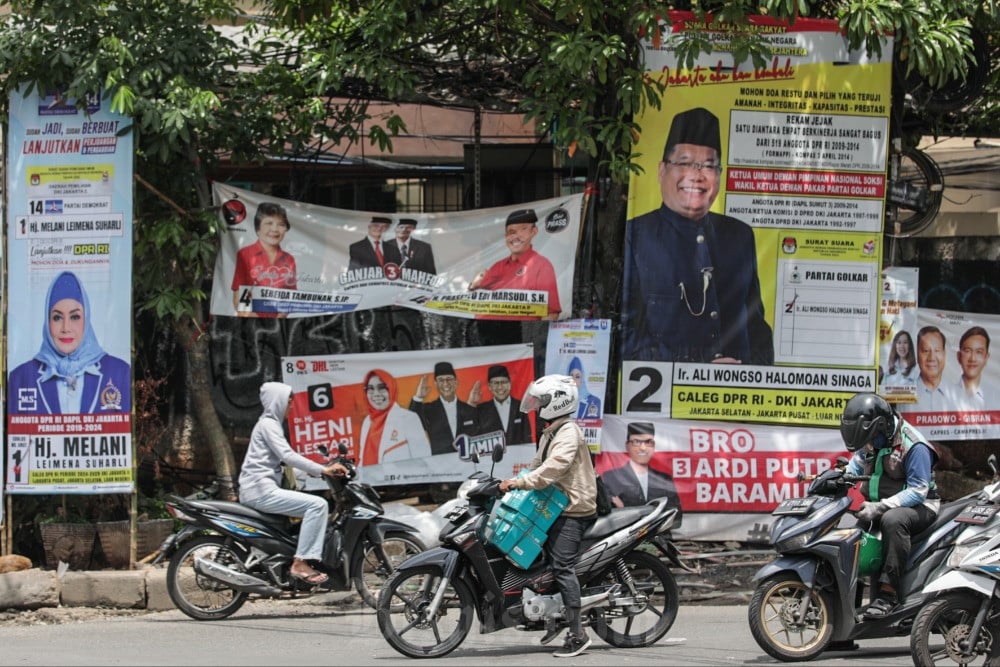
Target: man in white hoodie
x=261, y=475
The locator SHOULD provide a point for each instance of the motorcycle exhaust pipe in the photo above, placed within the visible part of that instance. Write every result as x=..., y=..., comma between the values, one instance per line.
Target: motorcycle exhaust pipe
x=241, y=581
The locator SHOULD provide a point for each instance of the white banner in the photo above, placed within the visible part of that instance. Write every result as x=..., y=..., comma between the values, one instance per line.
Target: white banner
x=283, y=258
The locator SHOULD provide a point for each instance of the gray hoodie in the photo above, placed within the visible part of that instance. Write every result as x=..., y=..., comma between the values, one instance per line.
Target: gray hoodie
x=261, y=472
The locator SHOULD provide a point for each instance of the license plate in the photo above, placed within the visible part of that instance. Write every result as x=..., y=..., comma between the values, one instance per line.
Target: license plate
x=977, y=514
x=794, y=506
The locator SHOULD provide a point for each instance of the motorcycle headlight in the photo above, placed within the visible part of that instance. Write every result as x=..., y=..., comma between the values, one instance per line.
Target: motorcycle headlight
x=794, y=543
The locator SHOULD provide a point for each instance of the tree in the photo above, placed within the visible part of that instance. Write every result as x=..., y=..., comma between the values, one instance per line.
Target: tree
x=195, y=96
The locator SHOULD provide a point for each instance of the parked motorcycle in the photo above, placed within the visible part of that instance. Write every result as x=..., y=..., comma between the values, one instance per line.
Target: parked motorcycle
x=630, y=597
x=960, y=621
x=814, y=592
x=229, y=553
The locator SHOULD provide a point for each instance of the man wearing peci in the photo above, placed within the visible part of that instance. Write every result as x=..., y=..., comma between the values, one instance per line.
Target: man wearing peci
x=415, y=254
x=373, y=251
x=502, y=412
x=446, y=416
x=691, y=290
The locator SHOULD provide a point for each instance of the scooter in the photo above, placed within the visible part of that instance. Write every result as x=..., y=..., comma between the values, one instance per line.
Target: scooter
x=229, y=553
x=629, y=596
x=811, y=597
x=960, y=622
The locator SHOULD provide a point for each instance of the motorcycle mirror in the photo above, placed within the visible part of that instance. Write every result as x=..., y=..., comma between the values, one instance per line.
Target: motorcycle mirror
x=842, y=462
x=991, y=461
x=342, y=448
x=323, y=450
x=497, y=453
x=474, y=456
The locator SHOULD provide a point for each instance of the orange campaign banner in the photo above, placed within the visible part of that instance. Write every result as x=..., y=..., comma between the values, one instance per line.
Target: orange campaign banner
x=754, y=238
x=414, y=417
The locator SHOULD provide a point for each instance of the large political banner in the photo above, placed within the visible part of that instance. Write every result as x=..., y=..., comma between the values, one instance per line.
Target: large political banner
x=581, y=349
x=954, y=389
x=414, y=417
x=725, y=478
x=282, y=258
x=69, y=254
x=754, y=236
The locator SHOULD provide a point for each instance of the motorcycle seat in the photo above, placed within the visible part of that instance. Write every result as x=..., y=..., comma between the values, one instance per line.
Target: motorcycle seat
x=618, y=519
x=228, y=507
x=948, y=512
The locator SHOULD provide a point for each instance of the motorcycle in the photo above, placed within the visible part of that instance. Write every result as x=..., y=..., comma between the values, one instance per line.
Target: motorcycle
x=811, y=597
x=629, y=596
x=228, y=553
x=960, y=621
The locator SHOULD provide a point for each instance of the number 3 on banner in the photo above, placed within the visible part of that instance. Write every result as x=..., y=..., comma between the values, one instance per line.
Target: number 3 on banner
x=646, y=388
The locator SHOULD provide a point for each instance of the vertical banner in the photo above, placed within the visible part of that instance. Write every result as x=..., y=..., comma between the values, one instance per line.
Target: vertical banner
x=753, y=242
x=69, y=265
x=414, y=417
x=897, y=366
x=580, y=349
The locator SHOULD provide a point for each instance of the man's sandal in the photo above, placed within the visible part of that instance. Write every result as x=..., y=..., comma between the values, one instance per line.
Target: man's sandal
x=879, y=608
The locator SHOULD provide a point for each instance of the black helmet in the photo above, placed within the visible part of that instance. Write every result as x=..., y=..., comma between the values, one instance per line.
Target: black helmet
x=867, y=418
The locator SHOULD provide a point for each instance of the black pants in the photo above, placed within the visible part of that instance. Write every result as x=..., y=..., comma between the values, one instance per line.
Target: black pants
x=898, y=525
x=563, y=549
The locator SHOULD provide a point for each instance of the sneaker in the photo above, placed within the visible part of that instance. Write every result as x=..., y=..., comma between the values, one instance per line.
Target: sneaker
x=573, y=646
x=550, y=634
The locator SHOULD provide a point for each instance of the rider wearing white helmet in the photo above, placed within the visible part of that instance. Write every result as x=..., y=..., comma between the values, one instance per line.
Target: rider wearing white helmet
x=562, y=459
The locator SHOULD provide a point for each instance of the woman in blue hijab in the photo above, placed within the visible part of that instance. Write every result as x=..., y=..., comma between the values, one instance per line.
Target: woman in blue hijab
x=71, y=373
x=590, y=405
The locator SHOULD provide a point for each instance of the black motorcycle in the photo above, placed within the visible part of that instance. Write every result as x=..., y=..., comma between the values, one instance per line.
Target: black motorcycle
x=811, y=597
x=229, y=553
x=629, y=596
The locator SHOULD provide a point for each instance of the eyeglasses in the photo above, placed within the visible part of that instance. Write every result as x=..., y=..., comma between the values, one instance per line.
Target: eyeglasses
x=371, y=389
x=643, y=443
x=499, y=381
x=442, y=379
x=697, y=166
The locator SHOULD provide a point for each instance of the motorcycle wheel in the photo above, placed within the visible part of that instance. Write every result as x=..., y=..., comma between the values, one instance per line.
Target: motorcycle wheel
x=370, y=573
x=945, y=622
x=402, y=613
x=638, y=626
x=773, y=608
x=196, y=595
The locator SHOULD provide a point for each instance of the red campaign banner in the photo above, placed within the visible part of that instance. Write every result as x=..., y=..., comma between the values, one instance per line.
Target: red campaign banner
x=825, y=183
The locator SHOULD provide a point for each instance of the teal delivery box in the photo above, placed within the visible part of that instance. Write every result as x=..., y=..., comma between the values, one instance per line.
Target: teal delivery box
x=541, y=506
x=515, y=536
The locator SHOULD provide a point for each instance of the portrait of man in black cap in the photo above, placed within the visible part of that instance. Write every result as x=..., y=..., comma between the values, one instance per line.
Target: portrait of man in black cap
x=373, y=250
x=635, y=483
x=524, y=268
x=502, y=412
x=446, y=416
x=691, y=290
x=416, y=254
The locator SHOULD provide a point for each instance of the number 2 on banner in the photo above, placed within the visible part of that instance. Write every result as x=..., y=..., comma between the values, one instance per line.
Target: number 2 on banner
x=646, y=388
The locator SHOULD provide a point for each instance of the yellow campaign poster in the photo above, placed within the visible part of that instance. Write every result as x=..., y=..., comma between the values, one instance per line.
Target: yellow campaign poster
x=754, y=238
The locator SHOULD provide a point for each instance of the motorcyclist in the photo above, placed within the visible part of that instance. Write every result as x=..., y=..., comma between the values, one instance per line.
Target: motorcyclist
x=562, y=459
x=901, y=495
x=261, y=475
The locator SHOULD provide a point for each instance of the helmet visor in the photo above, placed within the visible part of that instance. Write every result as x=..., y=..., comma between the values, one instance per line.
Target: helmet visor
x=532, y=403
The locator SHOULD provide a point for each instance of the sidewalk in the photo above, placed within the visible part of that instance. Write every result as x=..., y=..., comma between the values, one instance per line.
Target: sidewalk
x=126, y=589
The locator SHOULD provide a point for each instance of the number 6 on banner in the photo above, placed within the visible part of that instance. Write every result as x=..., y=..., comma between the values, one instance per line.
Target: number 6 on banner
x=320, y=397
x=646, y=388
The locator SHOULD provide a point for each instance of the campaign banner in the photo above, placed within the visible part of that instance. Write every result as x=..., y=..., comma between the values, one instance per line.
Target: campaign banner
x=69, y=252
x=955, y=390
x=580, y=349
x=725, y=478
x=414, y=417
x=897, y=365
x=281, y=258
x=753, y=241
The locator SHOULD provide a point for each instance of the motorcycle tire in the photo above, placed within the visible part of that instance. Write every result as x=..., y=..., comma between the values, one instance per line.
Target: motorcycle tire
x=196, y=595
x=943, y=623
x=772, y=611
x=370, y=573
x=645, y=625
x=402, y=613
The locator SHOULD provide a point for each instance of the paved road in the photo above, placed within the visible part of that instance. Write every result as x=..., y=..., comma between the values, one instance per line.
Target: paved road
x=297, y=633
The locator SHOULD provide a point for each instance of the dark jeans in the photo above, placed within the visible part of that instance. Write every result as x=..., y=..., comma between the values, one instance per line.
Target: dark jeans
x=898, y=525
x=563, y=549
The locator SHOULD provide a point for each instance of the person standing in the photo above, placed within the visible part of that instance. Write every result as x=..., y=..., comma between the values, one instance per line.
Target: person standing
x=415, y=254
x=502, y=412
x=563, y=460
x=261, y=475
x=636, y=483
x=264, y=263
x=372, y=251
x=446, y=416
x=691, y=290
